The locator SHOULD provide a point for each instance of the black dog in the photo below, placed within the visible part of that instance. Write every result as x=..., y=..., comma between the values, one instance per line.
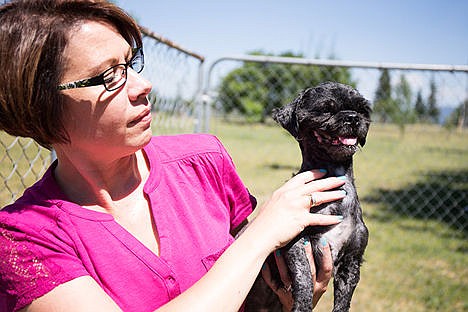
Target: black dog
x=329, y=122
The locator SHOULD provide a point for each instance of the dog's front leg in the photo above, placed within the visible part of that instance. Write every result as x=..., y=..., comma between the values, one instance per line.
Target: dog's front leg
x=299, y=269
x=346, y=277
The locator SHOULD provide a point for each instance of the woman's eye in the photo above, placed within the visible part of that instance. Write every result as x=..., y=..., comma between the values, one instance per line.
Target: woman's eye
x=109, y=78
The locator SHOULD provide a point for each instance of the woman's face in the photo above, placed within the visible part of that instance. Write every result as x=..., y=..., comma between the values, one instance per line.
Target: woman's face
x=103, y=123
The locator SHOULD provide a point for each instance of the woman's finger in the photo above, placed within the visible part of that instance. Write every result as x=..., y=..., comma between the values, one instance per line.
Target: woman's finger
x=323, y=185
x=310, y=257
x=324, y=273
x=304, y=178
x=266, y=274
x=283, y=294
x=318, y=198
x=283, y=270
x=320, y=219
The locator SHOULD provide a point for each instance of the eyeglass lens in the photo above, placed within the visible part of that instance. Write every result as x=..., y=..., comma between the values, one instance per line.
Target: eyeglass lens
x=116, y=76
x=137, y=62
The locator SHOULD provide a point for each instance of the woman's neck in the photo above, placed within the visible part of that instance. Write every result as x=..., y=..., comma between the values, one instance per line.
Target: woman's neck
x=100, y=185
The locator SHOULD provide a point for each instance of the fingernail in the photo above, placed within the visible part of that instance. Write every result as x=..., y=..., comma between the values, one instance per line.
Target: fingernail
x=344, y=192
x=264, y=266
x=306, y=241
x=339, y=218
x=342, y=178
x=323, y=241
x=323, y=170
x=278, y=252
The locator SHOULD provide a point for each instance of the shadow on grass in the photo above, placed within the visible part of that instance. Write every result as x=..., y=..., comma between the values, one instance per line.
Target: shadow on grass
x=278, y=166
x=441, y=196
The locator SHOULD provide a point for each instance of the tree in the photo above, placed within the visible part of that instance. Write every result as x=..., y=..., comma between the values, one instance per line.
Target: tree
x=384, y=105
x=458, y=117
x=462, y=120
x=403, y=113
x=420, y=108
x=432, y=109
x=255, y=89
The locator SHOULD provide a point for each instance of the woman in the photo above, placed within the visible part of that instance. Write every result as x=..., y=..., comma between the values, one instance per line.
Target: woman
x=123, y=220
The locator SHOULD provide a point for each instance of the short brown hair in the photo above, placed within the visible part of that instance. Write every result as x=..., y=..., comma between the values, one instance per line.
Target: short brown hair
x=33, y=36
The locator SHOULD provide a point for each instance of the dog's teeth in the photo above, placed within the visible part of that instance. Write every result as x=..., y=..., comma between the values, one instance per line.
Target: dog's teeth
x=348, y=141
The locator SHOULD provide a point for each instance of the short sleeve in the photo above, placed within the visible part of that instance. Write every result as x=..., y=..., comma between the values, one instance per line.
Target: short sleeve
x=241, y=202
x=32, y=264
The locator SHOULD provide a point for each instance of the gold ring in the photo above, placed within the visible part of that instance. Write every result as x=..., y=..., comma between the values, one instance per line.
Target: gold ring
x=313, y=201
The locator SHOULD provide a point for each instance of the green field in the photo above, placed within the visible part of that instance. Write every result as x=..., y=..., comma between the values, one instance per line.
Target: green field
x=414, y=262
x=413, y=189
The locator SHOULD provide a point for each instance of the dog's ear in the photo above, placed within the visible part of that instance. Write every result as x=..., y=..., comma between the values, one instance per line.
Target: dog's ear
x=362, y=141
x=286, y=117
x=363, y=130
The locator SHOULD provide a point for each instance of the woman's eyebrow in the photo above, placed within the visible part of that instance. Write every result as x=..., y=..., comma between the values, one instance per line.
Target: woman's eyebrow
x=111, y=62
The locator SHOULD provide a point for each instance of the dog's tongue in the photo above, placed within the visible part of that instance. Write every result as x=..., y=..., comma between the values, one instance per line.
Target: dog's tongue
x=348, y=141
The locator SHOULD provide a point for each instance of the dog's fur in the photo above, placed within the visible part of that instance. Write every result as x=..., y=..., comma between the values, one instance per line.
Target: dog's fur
x=329, y=122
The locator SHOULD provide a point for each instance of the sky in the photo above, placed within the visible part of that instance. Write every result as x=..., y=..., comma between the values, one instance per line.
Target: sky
x=396, y=31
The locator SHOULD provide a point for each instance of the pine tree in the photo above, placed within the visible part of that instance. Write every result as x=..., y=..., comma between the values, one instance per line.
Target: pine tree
x=432, y=109
x=383, y=97
x=404, y=112
x=420, y=108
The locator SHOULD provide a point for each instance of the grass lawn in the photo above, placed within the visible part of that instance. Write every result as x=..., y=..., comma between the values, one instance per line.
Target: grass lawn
x=413, y=188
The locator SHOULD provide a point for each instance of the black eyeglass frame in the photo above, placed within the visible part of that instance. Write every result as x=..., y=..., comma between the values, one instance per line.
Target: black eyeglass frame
x=137, y=56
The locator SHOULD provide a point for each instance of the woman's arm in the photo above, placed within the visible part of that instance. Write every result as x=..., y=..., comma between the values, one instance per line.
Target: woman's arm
x=227, y=283
x=79, y=294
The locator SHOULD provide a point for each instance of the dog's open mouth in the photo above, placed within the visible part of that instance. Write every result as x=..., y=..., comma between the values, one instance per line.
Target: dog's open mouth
x=340, y=140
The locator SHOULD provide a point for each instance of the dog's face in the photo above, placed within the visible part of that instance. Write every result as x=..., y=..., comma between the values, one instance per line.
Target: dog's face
x=331, y=120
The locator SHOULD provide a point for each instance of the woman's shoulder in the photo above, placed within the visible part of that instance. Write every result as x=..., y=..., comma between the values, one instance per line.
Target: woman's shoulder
x=37, y=207
x=35, y=242
x=29, y=214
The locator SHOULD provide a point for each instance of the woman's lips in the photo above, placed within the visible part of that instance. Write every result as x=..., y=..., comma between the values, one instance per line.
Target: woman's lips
x=143, y=118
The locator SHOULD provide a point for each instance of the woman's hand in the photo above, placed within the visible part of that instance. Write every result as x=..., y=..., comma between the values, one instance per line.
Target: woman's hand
x=320, y=278
x=286, y=213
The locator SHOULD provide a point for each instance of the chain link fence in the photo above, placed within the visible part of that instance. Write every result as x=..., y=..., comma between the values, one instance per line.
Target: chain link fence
x=241, y=86
x=404, y=173
x=411, y=176
x=22, y=162
x=250, y=86
x=175, y=73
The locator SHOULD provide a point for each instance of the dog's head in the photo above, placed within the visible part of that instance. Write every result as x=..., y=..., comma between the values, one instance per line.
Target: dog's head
x=331, y=119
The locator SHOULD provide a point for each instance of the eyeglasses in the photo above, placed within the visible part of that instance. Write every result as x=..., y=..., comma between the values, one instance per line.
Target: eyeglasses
x=113, y=77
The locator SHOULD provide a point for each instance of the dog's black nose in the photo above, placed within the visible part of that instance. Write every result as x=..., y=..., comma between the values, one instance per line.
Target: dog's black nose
x=351, y=117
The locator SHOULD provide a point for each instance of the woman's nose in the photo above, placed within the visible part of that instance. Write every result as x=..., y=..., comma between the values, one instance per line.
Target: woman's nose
x=137, y=85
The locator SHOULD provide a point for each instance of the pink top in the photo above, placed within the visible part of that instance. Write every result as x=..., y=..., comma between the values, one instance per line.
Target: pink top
x=195, y=195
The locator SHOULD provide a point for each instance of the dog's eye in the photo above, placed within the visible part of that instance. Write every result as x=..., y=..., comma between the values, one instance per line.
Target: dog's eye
x=330, y=107
x=325, y=114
